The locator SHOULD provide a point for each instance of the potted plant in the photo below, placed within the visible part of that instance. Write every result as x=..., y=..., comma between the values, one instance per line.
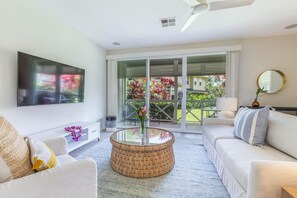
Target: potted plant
x=258, y=92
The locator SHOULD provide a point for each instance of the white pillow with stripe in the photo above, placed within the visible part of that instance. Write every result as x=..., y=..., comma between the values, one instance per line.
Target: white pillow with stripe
x=250, y=125
x=42, y=157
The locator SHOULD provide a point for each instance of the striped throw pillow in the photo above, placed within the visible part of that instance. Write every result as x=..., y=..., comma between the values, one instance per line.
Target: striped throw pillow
x=42, y=157
x=250, y=125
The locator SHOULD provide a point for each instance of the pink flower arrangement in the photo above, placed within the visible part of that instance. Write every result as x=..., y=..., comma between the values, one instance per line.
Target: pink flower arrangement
x=141, y=114
x=73, y=130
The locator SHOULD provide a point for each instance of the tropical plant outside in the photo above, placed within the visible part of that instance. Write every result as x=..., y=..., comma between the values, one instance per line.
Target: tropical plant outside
x=162, y=89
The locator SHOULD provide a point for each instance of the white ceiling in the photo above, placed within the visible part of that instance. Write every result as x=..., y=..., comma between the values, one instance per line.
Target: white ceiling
x=136, y=23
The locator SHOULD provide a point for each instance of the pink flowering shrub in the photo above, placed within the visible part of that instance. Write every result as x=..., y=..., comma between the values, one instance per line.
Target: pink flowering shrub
x=158, y=88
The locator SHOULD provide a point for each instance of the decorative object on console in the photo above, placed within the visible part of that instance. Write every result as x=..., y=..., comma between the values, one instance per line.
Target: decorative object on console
x=272, y=81
x=14, y=153
x=42, y=157
x=73, y=130
x=258, y=92
x=227, y=107
x=250, y=125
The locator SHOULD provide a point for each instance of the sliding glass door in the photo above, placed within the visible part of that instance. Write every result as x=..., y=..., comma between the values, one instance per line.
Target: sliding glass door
x=165, y=89
x=175, y=89
x=131, y=89
x=205, y=82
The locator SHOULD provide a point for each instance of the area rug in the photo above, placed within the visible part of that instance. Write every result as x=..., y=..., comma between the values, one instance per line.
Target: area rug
x=192, y=176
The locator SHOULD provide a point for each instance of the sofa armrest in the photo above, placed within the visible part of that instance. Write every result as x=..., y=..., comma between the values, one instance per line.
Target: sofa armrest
x=58, y=145
x=218, y=121
x=74, y=180
x=267, y=177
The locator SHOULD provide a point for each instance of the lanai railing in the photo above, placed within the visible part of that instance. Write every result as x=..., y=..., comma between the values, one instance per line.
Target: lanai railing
x=168, y=110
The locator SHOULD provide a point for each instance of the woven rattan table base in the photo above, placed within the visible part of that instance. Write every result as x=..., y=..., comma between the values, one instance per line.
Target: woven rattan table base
x=142, y=161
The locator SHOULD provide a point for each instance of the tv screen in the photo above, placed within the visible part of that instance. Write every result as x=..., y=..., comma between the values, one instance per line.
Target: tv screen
x=42, y=81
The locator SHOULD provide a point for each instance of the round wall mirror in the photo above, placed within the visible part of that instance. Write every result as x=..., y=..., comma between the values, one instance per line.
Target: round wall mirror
x=272, y=81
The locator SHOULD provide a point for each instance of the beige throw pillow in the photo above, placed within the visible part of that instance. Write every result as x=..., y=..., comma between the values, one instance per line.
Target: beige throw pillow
x=14, y=153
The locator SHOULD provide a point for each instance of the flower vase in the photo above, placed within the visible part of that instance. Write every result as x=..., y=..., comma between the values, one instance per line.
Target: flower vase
x=142, y=129
x=255, y=103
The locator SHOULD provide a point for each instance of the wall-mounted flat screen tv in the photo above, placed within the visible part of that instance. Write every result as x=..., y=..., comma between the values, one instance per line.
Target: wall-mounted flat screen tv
x=42, y=81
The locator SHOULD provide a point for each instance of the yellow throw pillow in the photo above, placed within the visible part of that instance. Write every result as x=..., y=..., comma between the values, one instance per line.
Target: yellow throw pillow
x=42, y=157
x=14, y=153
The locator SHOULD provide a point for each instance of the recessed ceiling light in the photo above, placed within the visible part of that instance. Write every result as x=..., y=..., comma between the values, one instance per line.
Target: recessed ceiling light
x=291, y=26
x=116, y=43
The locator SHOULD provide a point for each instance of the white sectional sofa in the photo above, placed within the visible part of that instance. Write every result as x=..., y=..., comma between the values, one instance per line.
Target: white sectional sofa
x=254, y=171
x=72, y=179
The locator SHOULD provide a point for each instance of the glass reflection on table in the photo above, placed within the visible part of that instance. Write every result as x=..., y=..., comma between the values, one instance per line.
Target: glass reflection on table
x=152, y=136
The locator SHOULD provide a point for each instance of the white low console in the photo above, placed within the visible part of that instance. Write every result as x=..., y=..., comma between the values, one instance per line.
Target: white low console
x=90, y=132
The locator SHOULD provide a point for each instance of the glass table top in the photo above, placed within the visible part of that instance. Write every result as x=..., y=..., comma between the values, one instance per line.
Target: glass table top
x=152, y=136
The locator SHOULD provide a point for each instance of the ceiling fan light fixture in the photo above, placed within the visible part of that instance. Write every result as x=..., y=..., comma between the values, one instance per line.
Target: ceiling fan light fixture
x=200, y=8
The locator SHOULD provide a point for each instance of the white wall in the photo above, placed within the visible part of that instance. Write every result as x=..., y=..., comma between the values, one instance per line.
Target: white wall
x=257, y=55
x=261, y=54
x=27, y=28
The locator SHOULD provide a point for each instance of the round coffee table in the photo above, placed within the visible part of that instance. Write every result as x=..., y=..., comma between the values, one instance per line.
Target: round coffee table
x=142, y=157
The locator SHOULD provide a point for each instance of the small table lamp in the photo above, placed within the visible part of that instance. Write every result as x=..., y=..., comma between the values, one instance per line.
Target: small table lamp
x=227, y=107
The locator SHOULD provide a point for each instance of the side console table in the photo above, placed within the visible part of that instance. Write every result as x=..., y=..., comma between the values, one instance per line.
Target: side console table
x=90, y=132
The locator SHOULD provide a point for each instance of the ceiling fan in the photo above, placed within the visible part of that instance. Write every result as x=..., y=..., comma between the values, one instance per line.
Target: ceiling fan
x=201, y=6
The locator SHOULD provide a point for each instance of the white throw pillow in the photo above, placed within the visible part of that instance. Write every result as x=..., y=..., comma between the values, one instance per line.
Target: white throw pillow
x=42, y=157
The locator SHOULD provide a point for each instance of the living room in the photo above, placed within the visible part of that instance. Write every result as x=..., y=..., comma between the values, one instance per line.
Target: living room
x=73, y=34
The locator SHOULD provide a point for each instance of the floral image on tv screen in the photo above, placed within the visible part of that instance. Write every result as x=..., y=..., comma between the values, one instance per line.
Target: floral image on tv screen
x=41, y=81
x=70, y=83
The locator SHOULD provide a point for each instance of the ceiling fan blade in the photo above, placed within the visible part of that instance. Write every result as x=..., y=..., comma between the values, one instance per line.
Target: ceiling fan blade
x=190, y=20
x=192, y=3
x=219, y=5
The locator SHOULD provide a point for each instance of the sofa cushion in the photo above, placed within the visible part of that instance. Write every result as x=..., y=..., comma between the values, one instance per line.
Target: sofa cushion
x=237, y=156
x=14, y=153
x=282, y=132
x=65, y=159
x=251, y=125
x=216, y=132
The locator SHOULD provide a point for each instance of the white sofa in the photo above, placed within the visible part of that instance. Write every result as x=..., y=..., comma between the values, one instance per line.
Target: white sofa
x=72, y=179
x=254, y=171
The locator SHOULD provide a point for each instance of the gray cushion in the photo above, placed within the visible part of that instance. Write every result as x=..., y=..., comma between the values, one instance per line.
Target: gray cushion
x=251, y=125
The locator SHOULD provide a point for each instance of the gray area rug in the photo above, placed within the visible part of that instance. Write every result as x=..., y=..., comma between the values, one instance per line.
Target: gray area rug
x=192, y=176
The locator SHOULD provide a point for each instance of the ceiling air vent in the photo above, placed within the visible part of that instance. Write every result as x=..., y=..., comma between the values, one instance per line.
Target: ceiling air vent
x=168, y=22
